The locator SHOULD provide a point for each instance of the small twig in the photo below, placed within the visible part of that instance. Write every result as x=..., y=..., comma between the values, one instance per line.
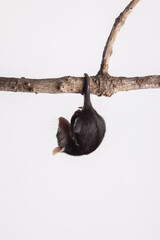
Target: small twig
x=119, y=22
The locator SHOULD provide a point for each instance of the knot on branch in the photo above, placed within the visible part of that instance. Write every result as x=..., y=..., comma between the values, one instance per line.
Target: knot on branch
x=24, y=85
x=101, y=83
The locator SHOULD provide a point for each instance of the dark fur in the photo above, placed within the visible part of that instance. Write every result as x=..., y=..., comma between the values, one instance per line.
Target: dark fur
x=86, y=131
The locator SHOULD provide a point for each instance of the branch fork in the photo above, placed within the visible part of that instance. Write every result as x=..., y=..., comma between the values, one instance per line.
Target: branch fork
x=102, y=84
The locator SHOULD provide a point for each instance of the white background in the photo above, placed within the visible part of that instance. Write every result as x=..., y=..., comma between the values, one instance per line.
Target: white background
x=113, y=193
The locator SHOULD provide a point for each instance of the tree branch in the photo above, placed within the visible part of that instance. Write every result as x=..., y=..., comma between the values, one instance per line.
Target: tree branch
x=119, y=22
x=102, y=84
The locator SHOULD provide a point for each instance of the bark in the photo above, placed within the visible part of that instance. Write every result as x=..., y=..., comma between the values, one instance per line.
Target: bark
x=119, y=22
x=102, y=84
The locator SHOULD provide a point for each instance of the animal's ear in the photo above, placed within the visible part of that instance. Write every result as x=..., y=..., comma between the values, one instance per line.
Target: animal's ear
x=57, y=150
x=63, y=132
x=64, y=125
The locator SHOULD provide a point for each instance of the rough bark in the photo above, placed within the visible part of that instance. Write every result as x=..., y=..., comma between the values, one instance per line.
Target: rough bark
x=102, y=84
x=119, y=22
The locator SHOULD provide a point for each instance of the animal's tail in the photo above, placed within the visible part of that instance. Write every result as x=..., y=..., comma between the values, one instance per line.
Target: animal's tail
x=87, y=101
